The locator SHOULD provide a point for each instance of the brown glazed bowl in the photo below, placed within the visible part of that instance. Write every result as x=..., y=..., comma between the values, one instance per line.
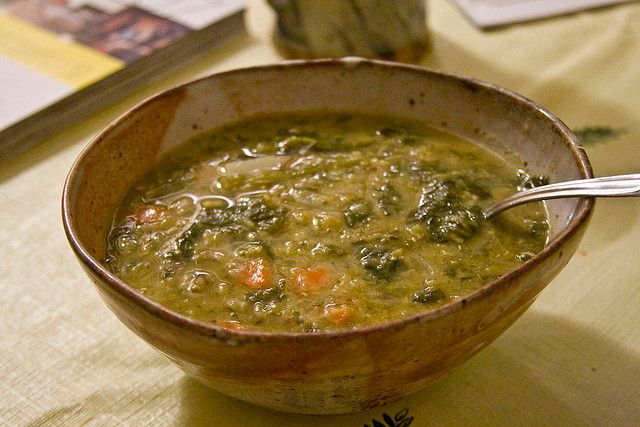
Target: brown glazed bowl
x=346, y=370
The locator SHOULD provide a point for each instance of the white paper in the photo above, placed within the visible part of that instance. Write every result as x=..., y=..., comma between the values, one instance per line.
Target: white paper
x=491, y=13
x=24, y=91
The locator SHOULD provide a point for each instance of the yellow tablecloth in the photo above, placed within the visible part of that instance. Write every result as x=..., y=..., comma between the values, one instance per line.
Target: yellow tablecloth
x=572, y=359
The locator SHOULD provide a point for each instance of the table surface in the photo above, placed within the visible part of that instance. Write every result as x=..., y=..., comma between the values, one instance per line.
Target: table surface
x=572, y=358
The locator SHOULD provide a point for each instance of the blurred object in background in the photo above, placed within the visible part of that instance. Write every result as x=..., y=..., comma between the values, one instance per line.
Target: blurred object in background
x=386, y=29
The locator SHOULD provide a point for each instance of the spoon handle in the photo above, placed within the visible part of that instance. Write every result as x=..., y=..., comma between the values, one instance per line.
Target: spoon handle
x=608, y=186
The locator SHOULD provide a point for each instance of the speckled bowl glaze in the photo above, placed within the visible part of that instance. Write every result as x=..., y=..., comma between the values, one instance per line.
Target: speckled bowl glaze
x=347, y=370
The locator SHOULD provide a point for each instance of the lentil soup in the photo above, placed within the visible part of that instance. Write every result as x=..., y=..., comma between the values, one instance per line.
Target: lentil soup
x=320, y=221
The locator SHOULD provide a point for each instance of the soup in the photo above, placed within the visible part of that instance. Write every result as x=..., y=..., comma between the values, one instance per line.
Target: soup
x=318, y=221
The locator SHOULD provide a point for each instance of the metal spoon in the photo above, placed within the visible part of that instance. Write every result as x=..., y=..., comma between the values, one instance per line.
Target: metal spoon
x=608, y=186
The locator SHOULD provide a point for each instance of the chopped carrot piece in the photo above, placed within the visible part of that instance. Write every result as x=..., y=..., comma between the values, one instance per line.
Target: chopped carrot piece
x=232, y=324
x=309, y=280
x=254, y=273
x=147, y=214
x=339, y=314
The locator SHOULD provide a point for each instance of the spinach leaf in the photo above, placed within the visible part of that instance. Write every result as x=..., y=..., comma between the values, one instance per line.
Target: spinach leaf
x=266, y=296
x=378, y=258
x=429, y=295
x=250, y=213
x=388, y=199
x=443, y=210
x=590, y=135
x=380, y=262
x=358, y=213
x=185, y=244
x=259, y=213
x=340, y=144
x=461, y=270
x=525, y=181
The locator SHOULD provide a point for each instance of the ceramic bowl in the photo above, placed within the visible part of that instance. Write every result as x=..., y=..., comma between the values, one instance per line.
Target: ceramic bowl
x=346, y=370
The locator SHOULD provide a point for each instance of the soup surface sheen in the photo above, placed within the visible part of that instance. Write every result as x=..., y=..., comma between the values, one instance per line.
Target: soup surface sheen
x=318, y=221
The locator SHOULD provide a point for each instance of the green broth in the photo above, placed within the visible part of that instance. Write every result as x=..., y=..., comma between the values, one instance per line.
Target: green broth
x=312, y=222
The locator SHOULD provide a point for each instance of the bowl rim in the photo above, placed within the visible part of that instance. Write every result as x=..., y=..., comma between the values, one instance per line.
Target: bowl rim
x=578, y=219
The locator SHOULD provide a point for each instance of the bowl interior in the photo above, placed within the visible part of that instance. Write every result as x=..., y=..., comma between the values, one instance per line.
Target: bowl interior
x=506, y=123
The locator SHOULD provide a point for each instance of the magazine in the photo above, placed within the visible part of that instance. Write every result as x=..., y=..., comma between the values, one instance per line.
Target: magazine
x=63, y=60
